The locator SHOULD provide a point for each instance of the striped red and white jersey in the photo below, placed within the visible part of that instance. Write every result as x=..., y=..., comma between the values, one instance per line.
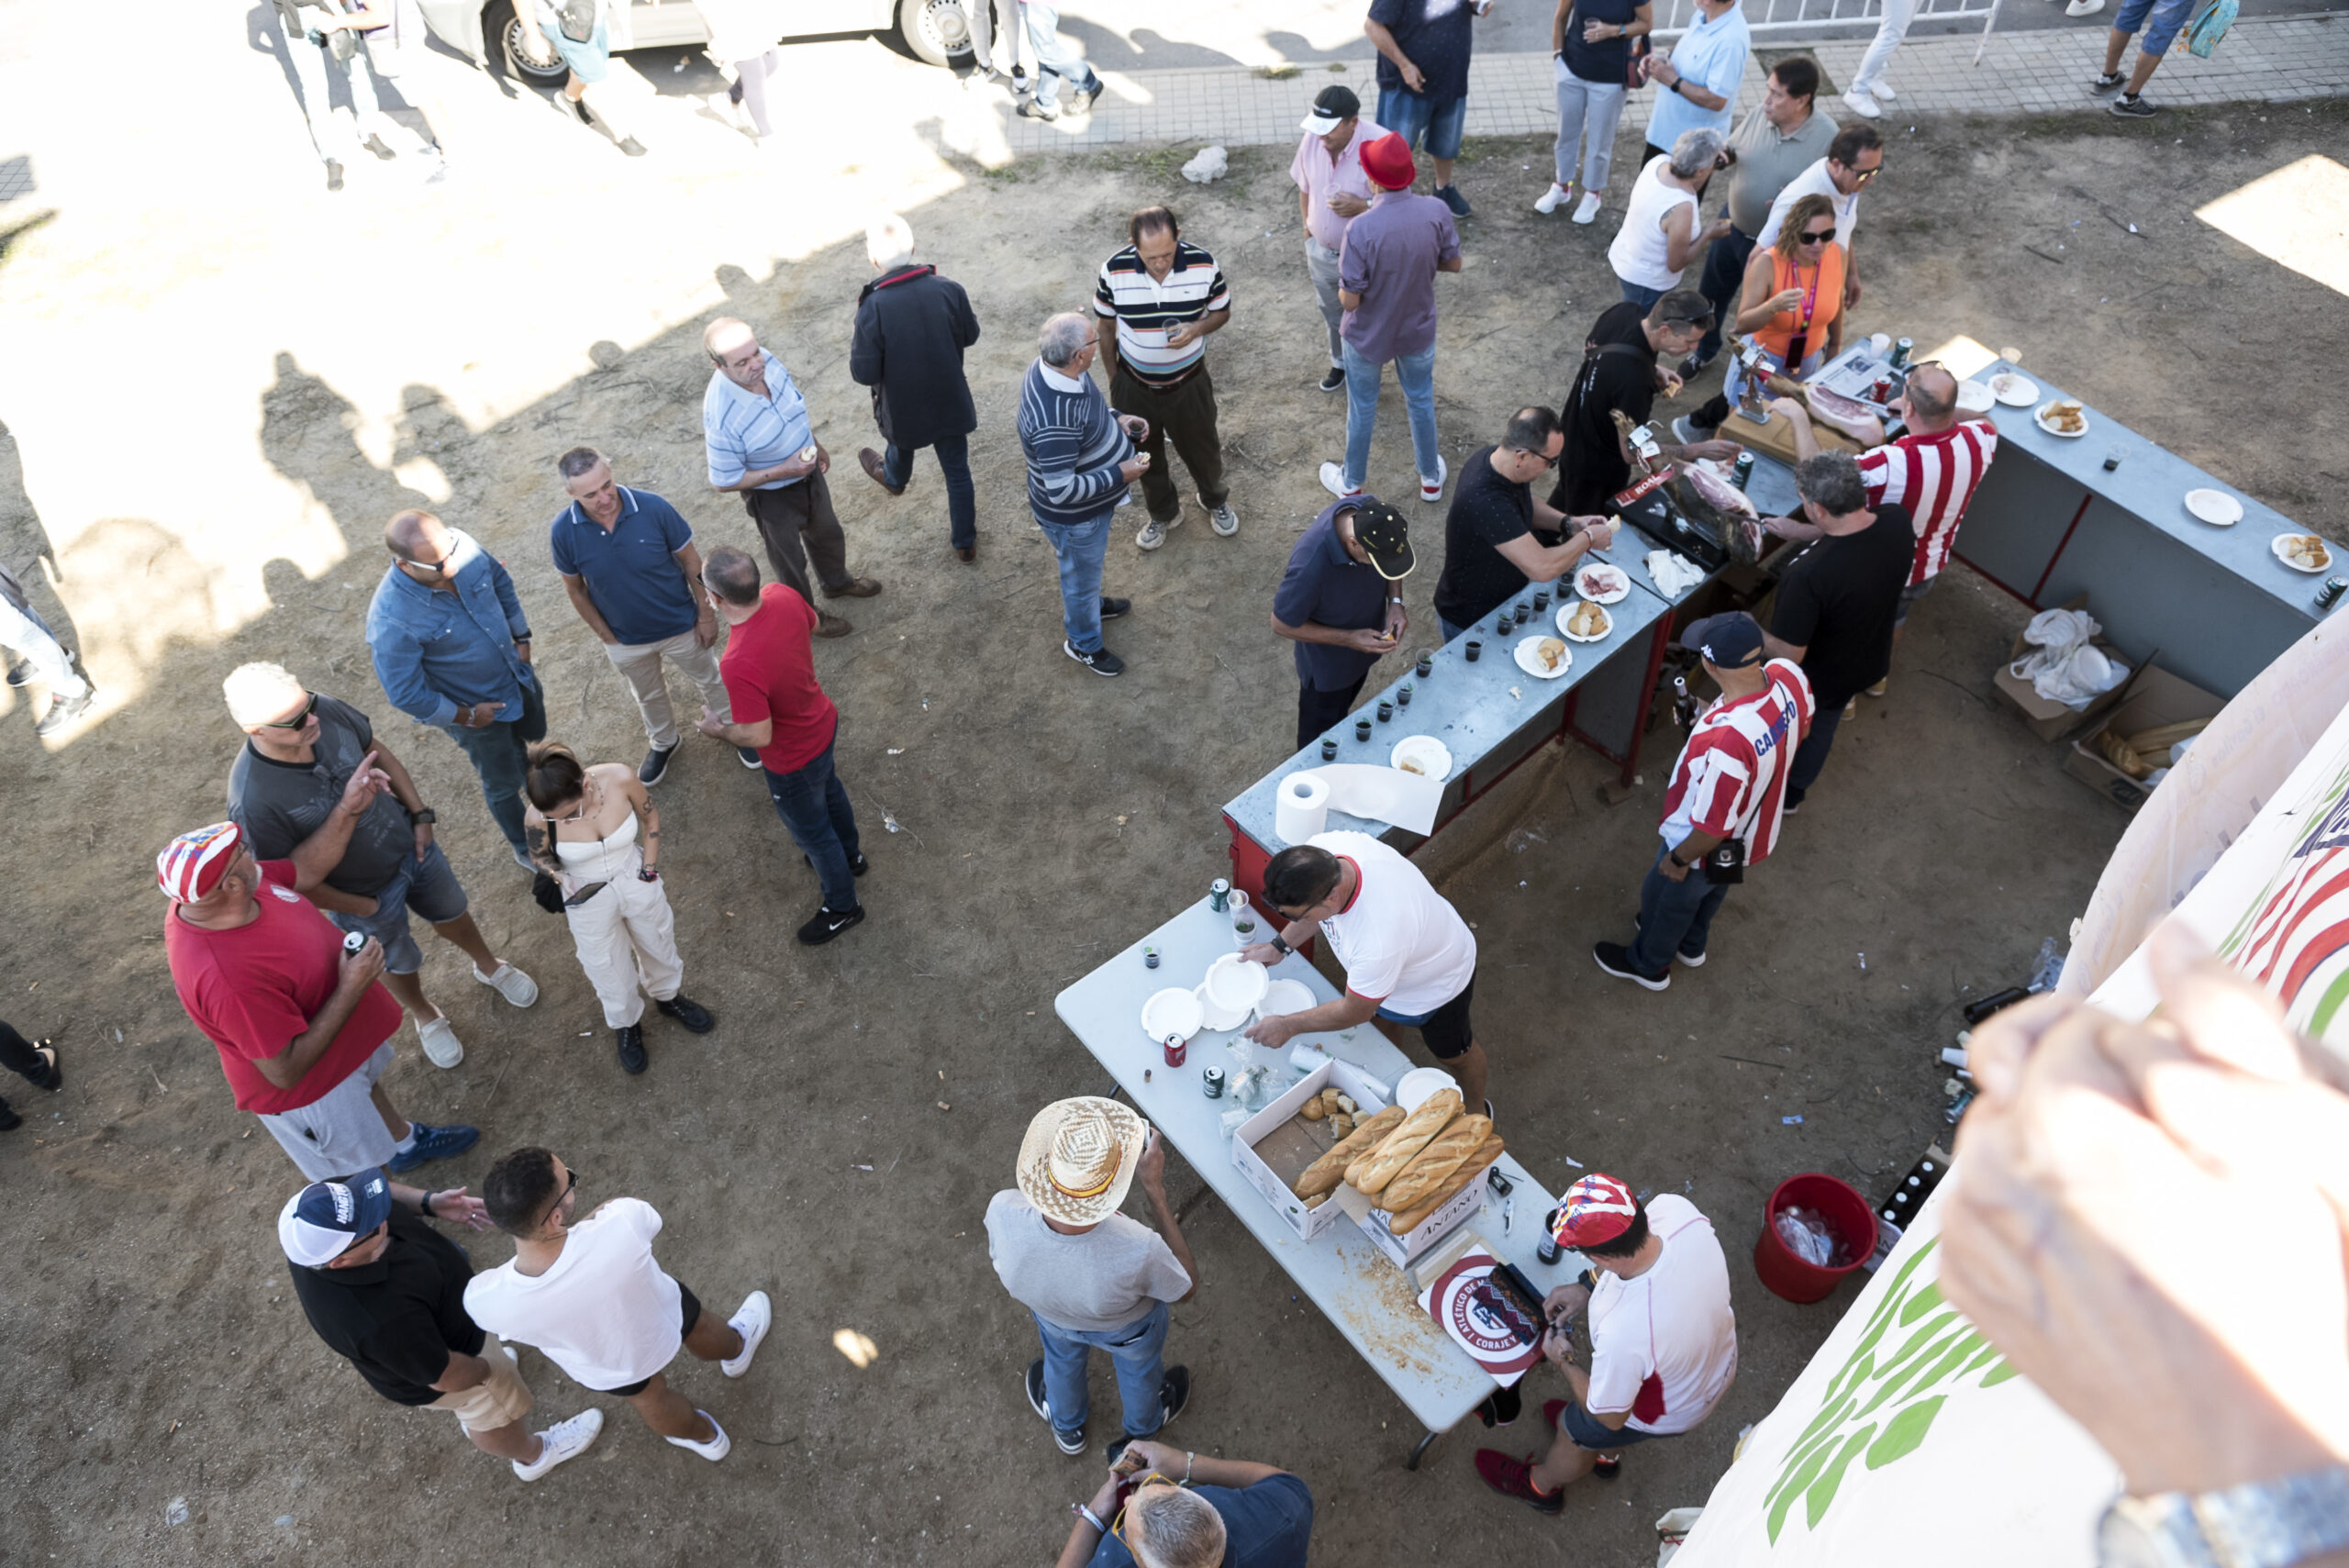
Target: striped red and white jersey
x=1934, y=476
x=1731, y=780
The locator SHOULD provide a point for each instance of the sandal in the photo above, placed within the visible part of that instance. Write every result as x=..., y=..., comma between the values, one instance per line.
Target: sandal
x=52, y=1078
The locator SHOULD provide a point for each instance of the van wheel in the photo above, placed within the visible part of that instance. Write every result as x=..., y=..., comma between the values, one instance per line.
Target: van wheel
x=935, y=29
x=502, y=35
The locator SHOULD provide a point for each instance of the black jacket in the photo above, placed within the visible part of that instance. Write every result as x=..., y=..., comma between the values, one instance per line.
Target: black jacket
x=911, y=328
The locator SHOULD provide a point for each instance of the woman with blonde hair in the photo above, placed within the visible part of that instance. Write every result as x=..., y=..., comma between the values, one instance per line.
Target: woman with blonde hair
x=595, y=835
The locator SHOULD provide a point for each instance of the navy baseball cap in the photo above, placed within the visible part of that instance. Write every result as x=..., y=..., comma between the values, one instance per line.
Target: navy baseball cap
x=319, y=1223
x=1729, y=642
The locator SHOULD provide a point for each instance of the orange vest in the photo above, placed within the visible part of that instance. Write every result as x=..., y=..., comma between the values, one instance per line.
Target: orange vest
x=1777, y=334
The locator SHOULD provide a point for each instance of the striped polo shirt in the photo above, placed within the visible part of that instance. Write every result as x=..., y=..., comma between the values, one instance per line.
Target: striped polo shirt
x=1144, y=307
x=1934, y=476
x=744, y=431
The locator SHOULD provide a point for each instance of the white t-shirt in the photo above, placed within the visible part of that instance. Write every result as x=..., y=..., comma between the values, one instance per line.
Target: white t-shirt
x=1403, y=945
x=1814, y=182
x=605, y=1313
x=1641, y=254
x=1663, y=1346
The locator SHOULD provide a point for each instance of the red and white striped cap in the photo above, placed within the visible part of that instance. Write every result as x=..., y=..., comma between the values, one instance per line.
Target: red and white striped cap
x=192, y=864
x=1596, y=1210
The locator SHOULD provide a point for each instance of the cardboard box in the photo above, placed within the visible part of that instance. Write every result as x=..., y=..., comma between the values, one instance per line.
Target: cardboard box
x=2154, y=698
x=2051, y=721
x=1402, y=1250
x=1284, y=1157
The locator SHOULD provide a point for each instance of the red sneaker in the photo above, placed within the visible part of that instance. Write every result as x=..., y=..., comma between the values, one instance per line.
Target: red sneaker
x=1605, y=1469
x=1514, y=1478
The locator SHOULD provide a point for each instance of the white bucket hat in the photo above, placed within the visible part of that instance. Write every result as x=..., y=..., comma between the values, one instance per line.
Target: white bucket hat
x=1078, y=1158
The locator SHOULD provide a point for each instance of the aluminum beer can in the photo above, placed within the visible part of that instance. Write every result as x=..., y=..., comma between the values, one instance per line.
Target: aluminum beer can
x=1211, y=1082
x=353, y=941
x=1901, y=349
x=1745, y=470
x=1219, y=894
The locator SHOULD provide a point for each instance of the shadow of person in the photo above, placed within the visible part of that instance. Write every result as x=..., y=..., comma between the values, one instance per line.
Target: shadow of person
x=308, y=433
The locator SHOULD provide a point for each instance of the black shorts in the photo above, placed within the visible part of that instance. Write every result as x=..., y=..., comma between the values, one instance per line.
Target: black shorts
x=690, y=1310
x=1447, y=1030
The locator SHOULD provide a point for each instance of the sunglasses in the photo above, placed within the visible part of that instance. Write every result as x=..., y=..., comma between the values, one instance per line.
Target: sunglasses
x=567, y=1188
x=296, y=722
x=1117, y=1525
x=1547, y=463
x=1822, y=237
x=1864, y=175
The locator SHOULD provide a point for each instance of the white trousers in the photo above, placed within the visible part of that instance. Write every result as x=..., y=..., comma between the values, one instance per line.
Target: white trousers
x=626, y=938
x=639, y=665
x=29, y=637
x=1897, y=14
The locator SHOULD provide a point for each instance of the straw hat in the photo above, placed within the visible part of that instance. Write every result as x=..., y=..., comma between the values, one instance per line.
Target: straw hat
x=1078, y=1158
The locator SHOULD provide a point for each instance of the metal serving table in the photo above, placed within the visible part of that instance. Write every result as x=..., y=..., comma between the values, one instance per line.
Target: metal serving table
x=1364, y=1295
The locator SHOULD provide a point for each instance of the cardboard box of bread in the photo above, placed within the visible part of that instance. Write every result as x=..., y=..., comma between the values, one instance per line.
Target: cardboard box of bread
x=1276, y=1147
x=1408, y=1179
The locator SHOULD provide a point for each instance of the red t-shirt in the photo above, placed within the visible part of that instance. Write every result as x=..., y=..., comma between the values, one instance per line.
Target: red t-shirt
x=252, y=989
x=770, y=673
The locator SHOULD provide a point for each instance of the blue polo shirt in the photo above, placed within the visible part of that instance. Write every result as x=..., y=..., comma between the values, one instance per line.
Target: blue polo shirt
x=1712, y=54
x=1327, y=586
x=631, y=571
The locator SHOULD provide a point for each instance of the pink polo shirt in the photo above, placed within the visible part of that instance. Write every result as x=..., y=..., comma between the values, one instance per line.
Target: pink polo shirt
x=1318, y=174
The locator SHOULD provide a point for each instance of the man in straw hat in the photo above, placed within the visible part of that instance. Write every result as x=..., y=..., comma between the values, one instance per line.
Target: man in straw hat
x=1092, y=1278
x=1663, y=1339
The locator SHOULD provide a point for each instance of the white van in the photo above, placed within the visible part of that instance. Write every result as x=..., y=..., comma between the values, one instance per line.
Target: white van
x=932, y=29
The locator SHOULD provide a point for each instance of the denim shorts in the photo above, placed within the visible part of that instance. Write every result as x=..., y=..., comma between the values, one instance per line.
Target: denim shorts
x=2167, y=17
x=590, y=61
x=427, y=887
x=1421, y=122
x=1585, y=1431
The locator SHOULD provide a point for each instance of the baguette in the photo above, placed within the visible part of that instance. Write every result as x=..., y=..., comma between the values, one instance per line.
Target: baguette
x=1441, y=1156
x=1419, y=1129
x=1467, y=1171
x=1324, y=1174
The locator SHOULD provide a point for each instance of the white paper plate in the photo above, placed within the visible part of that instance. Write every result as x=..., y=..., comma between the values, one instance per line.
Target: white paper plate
x=1974, y=397
x=1233, y=983
x=2215, y=507
x=1174, y=1011
x=1530, y=663
x=2039, y=418
x=1432, y=755
x=1215, y=1018
x=1285, y=997
x=1412, y=1090
x=1565, y=614
x=2276, y=548
x=1623, y=591
x=2014, y=390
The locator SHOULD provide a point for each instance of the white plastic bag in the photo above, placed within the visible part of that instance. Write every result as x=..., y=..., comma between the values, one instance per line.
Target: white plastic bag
x=2063, y=665
x=1209, y=164
x=1807, y=1235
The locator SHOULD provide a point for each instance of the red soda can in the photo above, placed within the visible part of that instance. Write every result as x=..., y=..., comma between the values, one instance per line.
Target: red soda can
x=1883, y=388
x=1177, y=1049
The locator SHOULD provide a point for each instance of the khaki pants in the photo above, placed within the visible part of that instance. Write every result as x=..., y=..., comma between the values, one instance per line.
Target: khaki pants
x=639, y=665
x=499, y=1401
x=625, y=937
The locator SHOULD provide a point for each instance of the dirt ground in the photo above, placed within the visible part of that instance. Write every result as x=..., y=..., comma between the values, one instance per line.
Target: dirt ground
x=1047, y=819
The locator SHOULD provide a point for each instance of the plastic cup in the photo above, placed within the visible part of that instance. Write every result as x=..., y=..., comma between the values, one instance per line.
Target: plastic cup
x=1362, y=730
x=1425, y=665
x=1329, y=751
x=1473, y=651
x=1385, y=712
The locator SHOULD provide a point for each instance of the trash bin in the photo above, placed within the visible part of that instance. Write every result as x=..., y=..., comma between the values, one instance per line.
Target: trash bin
x=1849, y=1215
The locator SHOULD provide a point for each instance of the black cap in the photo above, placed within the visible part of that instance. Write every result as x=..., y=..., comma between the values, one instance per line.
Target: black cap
x=1334, y=105
x=1379, y=528
x=1731, y=641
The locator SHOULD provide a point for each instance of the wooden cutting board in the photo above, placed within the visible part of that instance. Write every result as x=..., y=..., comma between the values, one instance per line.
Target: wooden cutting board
x=1777, y=439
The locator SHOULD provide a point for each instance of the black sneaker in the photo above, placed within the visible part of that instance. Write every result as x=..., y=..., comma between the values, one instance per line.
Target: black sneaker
x=2109, y=81
x=1101, y=661
x=1793, y=802
x=1069, y=1442
x=1449, y=196
x=750, y=758
x=1616, y=959
x=20, y=673
x=334, y=175
x=655, y=766
x=829, y=923
x=9, y=1119
x=2131, y=106
x=1173, y=1393
x=1334, y=380
x=1690, y=366
x=688, y=1012
x=1113, y=608
x=632, y=1058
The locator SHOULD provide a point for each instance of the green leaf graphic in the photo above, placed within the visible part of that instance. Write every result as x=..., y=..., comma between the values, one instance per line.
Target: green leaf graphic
x=1791, y=1488
x=1998, y=1374
x=1904, y=1431
x=1821, y=1492
x=1923, y=1302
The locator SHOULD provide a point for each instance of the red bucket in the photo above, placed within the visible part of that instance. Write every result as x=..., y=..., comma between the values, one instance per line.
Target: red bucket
x=1849, y=1215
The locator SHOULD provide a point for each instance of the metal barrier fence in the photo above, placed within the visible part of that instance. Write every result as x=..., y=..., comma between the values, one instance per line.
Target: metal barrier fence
x=1774, y=20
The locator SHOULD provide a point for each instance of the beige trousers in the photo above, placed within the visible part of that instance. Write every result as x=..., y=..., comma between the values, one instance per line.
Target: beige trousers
x=639, y=665
x=626, y=938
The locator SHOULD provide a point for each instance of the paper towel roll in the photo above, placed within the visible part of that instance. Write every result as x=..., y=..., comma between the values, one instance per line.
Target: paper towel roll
x=1301, y=808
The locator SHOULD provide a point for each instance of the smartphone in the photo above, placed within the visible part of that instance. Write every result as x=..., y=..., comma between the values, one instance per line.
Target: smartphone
x=585, y=893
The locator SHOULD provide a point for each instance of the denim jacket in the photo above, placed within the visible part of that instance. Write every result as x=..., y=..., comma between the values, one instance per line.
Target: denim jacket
x=436, y=652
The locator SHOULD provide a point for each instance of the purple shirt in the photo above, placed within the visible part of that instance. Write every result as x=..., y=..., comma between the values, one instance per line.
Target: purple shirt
x=1391, y=255
x=1320, y=176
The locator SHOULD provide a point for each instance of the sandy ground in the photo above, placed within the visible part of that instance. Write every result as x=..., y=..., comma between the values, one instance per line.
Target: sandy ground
x=1047, y=819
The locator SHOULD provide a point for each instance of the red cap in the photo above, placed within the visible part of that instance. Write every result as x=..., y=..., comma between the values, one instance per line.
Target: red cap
x=1595, y=1210
x=192, y=864
x=1389, y=163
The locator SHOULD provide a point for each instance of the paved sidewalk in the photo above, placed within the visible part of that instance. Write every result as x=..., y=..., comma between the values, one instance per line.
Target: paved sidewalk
x=1510, y=95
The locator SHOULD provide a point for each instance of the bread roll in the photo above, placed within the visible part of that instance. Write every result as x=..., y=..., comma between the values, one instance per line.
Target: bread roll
x=1419, y=1129
x=1469, y=1170
x=1313, y=1110
x=1325, y=1172
x=1318, y=1200
x=1429, y=1168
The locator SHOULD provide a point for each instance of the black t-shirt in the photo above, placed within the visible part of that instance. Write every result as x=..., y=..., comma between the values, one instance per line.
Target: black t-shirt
x=1487, y=511
x=1838, y=600
x=1607, y=59
x=1436, y=36
x=397, y=1319
x=1591, y=469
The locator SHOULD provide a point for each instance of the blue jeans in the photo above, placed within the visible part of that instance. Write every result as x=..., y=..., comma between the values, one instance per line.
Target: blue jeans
x=1417, y=118
x=1137, y=1350
x=2168, y=17
x=954, y=463
x=1721, y=281
x=1417, y=374
x=1674, y=917
x=1080, y=547
x=430, y=888
x=496, y=752
x=1811, y=756
x=1450, y=630
x=1056, y=62
x=814, y=807
x=1640, y=293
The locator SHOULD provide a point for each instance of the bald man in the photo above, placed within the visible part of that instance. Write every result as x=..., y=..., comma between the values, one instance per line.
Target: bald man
x=452, y=649
x=762, y=448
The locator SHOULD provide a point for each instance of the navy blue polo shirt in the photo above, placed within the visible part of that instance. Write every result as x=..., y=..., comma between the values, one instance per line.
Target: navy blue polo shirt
x=631, y=571
x=1327, y=586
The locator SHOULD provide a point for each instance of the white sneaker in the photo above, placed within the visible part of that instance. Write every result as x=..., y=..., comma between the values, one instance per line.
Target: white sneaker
x=717, y=1448
x=1153, y=532
x=1865, y=106
x=1548, y=199
x=1333, y=480
x=2084, y=7
x=1880, y=90
x=1224, y=521
x=752, y=1320
x=564, y=1439
x=1588, y=211
x=1431, y=490
x=442, y=1046
x=510, y=983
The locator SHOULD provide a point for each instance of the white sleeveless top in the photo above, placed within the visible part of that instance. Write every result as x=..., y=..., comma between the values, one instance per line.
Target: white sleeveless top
x=601, y=860
x=1638, y=253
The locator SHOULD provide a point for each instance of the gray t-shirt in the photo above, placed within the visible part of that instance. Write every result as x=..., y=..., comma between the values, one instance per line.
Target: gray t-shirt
x=1090, y=1283
x=279, y=804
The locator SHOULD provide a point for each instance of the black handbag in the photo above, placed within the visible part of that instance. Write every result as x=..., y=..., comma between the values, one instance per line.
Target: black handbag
x=577, y=18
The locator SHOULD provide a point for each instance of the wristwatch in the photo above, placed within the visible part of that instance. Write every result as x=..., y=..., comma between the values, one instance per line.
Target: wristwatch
x=2262, y=1524
x=422, y=816
x=424, y=1203
x=1280, y=944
